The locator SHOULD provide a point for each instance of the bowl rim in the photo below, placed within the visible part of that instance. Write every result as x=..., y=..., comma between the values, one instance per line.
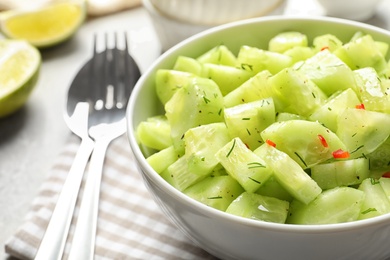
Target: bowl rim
x=214, y=213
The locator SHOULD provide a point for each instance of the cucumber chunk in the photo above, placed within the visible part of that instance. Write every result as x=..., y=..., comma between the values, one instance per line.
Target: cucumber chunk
x=308, y=143
x=341, y=173
x=327, y=41
x=161, y=160
x=373, y=93
x=219, y=55
x=356, y=36
x=383, y=103
x=376, y=202
x=362, y=131
x=380, y=158
x=383, y=47
x=180, y=176
x=334, y=106
x=385, y=184
x=218, y=171
x=188, y=64
x=243, y=165
x=168, y=81
x=295, y=93
x=255, y=206
x=227, y=78
x=199, y=102
x=284, y=116
x=253, y=89
x=272, y=188
x=201, y=144
x=328, y=72
x=246, y=121
x=155, y=132
x=299, y=53
x=338, y=205
x=217, y=192
x=362, y=52
x=256, y=60
x=287, y=40
x=290, y=175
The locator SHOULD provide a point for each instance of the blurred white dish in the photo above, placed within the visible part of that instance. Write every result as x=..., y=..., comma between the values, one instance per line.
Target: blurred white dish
x=359, y=10
x=170, y=31
x=303, y=8
x=214, y=12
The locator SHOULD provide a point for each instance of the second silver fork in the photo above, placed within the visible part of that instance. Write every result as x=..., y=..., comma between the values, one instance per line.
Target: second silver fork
x=113, y=75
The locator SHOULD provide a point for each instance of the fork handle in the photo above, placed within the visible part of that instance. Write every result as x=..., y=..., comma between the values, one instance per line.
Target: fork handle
x=53, y=242
x=83, y=244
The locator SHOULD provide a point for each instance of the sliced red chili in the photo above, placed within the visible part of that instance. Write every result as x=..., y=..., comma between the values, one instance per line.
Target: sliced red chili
x=386, y=175
x=323, y=141
x=325, y=48
x=340, y=154
x=360, y=106
x=269, y=142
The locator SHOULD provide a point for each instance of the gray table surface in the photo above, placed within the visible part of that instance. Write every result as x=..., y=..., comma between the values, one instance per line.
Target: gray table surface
x=31, y=139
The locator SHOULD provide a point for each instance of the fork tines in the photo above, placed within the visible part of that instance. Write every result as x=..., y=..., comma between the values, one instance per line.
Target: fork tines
x=111, y=71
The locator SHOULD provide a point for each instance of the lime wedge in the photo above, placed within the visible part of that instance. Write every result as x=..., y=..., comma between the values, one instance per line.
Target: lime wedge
x=19, y=69
x=44, y=26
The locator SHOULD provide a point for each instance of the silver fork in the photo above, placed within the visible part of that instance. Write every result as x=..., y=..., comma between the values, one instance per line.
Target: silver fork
x=107, y=122
x=104, y=85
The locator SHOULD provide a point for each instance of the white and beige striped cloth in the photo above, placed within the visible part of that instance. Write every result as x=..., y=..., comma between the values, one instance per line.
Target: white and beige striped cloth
x=130, y=224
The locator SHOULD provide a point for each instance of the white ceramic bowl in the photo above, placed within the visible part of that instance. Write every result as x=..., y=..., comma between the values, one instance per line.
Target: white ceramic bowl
x=169, y=30
x=359, y=10
x=215, y=12
x=230, y=237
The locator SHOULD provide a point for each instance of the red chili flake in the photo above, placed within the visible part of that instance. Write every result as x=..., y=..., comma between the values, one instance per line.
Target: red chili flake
x=360, y=106
x=325, y=48
x=386, y=175
x=340, y=154
x=247, y=146
x=269, y=142
x=323, y=141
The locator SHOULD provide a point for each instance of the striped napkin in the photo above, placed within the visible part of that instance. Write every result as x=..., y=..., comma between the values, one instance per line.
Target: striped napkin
x=130, y=224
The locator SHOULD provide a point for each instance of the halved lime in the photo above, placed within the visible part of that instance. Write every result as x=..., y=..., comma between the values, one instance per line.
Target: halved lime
x=44, y=26
x=19, y=70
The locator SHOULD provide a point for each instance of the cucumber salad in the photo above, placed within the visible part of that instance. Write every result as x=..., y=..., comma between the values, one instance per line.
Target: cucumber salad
x=297, y=133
